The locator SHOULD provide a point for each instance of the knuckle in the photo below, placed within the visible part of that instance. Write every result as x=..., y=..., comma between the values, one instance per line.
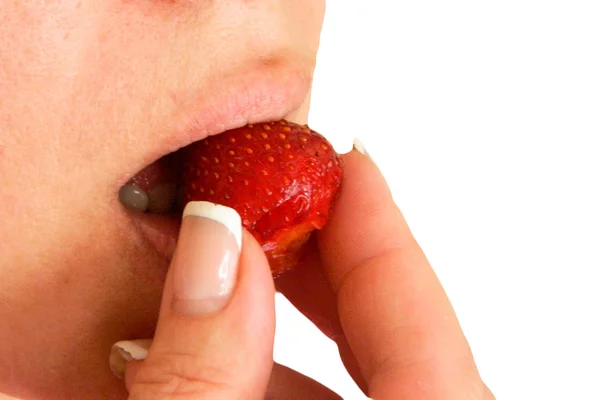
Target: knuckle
x=180, y=376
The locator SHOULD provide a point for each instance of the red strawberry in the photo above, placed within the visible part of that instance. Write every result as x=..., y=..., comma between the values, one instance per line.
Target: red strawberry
x=282, y=179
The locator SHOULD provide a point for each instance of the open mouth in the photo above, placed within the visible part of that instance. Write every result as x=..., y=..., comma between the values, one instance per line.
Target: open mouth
x=152, y=196
x=156, y=189
x=154, y=199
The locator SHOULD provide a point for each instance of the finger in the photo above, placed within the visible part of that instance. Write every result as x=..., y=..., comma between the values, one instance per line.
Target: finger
x=287, y=384
x=214, y=337
x=396, y=316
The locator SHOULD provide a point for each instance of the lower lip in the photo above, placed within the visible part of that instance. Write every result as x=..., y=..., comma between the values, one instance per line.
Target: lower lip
x=160, y=231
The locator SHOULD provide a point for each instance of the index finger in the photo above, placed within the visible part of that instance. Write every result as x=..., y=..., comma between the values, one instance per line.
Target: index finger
x=394, y=312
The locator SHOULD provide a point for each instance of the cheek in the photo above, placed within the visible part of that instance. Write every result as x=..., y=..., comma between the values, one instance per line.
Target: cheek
x=34, y=54
x=42, y=45
x=54, y=119
x=51, y=63
x=39, y=44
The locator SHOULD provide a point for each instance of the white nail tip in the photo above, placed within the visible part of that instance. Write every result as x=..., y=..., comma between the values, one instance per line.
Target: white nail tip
x=125, y=351
x=358, y=146
x=225, y=215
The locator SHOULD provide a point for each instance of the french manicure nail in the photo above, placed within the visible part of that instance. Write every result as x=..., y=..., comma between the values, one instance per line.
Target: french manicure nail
x=358, y=146
x=125, y=351
x=205, y=263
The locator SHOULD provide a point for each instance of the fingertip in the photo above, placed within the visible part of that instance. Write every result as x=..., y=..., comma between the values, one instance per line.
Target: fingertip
x=204, y=269
x=228, y=350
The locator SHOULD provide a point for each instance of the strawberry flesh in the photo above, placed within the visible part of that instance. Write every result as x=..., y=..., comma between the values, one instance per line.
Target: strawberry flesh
x=282, y=178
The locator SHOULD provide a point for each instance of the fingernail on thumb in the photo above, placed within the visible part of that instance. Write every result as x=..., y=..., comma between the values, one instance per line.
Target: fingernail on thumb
x=205, y=263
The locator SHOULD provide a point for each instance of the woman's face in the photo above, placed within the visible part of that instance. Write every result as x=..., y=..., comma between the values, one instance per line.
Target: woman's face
x=93, y=91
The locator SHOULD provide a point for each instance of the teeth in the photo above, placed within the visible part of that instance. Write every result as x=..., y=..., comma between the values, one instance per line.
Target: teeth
x=133, y=197
x=162, y=198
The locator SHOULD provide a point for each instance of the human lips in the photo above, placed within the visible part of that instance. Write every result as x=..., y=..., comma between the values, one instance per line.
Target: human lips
x=150, y=196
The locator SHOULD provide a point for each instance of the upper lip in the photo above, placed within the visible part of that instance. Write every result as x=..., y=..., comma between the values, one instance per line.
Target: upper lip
x=255, y=96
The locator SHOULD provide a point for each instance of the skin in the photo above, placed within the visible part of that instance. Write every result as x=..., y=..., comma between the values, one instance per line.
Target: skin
x=92, y=91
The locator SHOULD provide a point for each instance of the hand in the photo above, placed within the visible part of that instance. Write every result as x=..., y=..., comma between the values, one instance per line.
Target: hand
x=367, y=285
x=371, y=289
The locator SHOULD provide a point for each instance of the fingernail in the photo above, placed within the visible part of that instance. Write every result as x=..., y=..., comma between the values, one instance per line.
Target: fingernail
x=205, y=263
x=358, y=146
x=125, y=351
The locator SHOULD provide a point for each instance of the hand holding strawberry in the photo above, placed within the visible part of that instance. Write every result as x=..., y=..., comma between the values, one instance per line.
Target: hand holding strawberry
x=369, y=288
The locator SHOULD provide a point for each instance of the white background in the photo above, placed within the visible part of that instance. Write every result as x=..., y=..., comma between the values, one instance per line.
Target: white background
x=485, y=118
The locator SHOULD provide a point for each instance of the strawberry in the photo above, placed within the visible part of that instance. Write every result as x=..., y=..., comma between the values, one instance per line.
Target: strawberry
x=282, y=178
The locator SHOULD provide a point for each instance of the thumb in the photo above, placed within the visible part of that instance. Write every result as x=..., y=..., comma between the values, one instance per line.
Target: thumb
x=215, y=332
